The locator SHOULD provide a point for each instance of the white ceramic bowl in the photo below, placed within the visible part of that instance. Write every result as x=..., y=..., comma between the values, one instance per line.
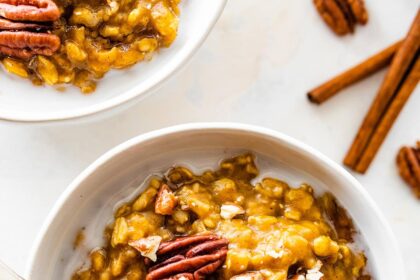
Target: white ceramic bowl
x=23, y=102
x=89, y=200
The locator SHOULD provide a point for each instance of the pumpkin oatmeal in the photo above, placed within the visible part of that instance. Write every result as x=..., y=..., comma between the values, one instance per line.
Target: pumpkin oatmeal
x=77, y=42
x=224, y=224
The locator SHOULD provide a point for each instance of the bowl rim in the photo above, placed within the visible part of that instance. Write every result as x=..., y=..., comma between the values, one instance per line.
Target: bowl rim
x=141, y=90
x=215, y=126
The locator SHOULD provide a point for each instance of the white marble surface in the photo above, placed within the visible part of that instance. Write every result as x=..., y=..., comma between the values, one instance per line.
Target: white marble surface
x=254, y=68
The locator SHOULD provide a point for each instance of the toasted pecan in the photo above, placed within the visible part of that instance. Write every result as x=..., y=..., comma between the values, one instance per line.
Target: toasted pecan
x=408, y=162
x=24, y=44
x=9, y=25
x=188, y=258
x=29, y=10
x=342, y=15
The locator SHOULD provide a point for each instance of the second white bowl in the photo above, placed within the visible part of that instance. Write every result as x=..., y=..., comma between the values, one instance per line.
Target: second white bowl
x=88, y=202
x=23, y=102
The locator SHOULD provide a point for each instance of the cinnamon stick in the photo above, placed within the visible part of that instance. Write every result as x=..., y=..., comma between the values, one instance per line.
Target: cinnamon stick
x=391, y=114
x=393, y=78
x=363, y=70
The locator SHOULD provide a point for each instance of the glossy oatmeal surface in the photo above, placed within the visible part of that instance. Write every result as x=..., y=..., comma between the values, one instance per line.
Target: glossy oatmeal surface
x=99, y=35
x=273, y=230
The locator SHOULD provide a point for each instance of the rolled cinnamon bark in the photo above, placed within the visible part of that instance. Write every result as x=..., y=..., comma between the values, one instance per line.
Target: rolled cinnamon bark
x=393, y=78
x=389, y=118
x=363, y=70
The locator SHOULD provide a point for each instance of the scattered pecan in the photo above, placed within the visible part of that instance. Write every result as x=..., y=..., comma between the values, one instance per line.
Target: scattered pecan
x=24, y=25
x=24, y=44
x=342, y=15
x=347, y=12
x=181, y=276
x=12, y=25
x=359, y=11
x=191, y=257
x=408, y=162
x=229, y=211
x=184, y=242
x=165, y=201
x=29, y=10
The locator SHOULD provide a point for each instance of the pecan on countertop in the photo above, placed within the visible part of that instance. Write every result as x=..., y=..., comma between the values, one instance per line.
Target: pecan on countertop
x=342, y=15
x=408, y=162
x=191, y=257
x=24, y=28
x=359, y=11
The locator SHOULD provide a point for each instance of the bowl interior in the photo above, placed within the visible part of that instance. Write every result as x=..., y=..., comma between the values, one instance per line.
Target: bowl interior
x=22, y=101
x=90, y=200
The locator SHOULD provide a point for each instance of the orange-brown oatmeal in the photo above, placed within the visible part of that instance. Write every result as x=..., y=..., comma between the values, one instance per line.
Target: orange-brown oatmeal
x=88, y=38
x=224, y=224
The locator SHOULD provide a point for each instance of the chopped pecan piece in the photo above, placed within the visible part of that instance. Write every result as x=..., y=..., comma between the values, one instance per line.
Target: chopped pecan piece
x=29, y=10
x=342, y=15
x=165, y=201
x=253, y=275
x=189, y=258
x=229, y=211
x=181, y=276
x=408, y=162
x=147, y=246
x=308, y=274
x=24, y=44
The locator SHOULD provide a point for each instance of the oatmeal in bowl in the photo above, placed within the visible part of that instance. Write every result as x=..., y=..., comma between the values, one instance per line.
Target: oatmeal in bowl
x=226, y=224
x=215, y=201
x=141, y=42
x=79, y=41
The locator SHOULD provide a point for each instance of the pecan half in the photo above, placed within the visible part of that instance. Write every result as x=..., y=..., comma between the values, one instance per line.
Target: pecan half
x=347, y=12
x=408, y=162
x=24, y=44
x=206, y=247
x=359, y=11
x=333, y=16
x=14, y=26
x=342, y=15
x=188, y=258
x=183, y=242
x=29, y=10
x=23, y=26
